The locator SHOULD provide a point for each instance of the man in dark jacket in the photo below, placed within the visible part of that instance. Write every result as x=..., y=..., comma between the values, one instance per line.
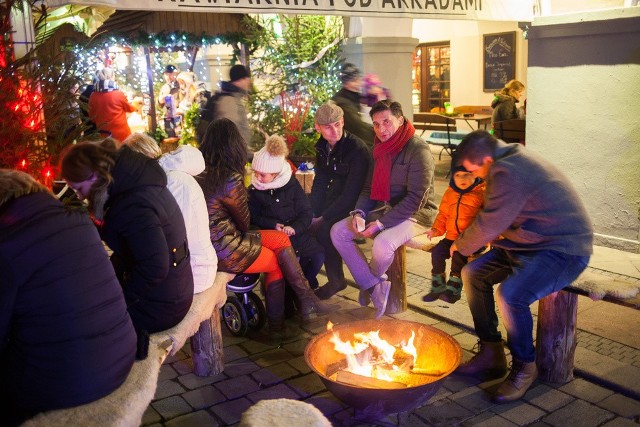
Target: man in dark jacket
x=342, y=163
x=348, y=98
x=541, y=241
x=65, y=336
x=397, y=201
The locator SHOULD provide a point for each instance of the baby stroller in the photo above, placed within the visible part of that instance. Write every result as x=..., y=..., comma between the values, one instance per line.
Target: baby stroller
x=244, y=309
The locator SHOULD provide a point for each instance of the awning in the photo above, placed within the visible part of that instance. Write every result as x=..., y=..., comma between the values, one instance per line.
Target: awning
x=486, y=10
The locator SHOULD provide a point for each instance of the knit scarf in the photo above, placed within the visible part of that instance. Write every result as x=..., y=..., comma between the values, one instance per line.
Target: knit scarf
x=383, y=155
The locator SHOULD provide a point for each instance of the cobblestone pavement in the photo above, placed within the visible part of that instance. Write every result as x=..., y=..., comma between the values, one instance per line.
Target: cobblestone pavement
x=255, y=371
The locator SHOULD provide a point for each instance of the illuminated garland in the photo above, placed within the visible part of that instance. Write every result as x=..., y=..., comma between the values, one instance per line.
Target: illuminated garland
x=170, y=41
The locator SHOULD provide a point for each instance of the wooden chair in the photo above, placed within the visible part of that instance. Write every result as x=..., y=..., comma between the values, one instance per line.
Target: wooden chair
x=444, y=132
x=513, y=130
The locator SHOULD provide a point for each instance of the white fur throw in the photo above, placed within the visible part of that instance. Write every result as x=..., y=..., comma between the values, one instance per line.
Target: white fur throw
x=283, y=412
x=597, y=285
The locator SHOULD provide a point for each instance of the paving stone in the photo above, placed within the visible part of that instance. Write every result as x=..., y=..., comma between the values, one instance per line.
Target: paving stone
x=236, y=387
x=586, y=390
x=621, y=405
x=204, y=397
x=229, y=340
x=327, y=403
x=150, y=416
x=183, y=367
x=472, y=398
x=274, y=374
x=442, y=393
x=271, y=357
x=444, y=413
x=168, y=388
x=240, y=367
x=171, y=407
x=278, y=391
x=300, y=364
x=233, y=352
x=578, y=413
x=488, y=419
x=297, y=347
x=307, y=385
x=620, y=422
x=167, y=373
x=192, y=381
x=231, y=411
x=547, y=398
x=255, y=347
x=194, y=419
x=519, y=412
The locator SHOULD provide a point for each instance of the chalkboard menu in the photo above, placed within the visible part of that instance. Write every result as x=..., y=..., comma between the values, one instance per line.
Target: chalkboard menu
x=499, y=60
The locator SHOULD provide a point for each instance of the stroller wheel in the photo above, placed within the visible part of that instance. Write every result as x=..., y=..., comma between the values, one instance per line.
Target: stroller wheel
x=256, y=313
x=235, y=317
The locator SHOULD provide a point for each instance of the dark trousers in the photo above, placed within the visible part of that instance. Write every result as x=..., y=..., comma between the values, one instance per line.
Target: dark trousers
x=440, y=254
x=332, y=260
x=311, y=265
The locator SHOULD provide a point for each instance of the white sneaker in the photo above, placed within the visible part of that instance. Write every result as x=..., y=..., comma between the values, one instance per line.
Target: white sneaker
x=380, y=296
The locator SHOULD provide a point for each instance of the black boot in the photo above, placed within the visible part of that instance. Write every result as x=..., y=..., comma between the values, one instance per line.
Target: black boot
x=309, y=302
x=274, y=293
x=330, y=289
x=489, y=363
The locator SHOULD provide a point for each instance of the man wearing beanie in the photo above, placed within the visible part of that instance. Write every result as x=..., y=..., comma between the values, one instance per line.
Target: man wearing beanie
x=348, y=98
x=342, y=164
x=229, y=103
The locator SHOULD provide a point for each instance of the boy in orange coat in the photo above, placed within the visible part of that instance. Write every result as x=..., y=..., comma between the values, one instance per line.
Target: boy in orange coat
x=460, y=203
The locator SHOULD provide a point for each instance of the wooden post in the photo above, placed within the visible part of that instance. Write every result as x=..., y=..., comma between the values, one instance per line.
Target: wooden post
x=397, y=274
x=556, y=336
x=207, y=347
x=152, y=97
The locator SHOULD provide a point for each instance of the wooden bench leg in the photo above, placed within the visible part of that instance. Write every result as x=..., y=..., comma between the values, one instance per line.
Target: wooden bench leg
x=207, y=347
x=397, y=273
x=556, y=336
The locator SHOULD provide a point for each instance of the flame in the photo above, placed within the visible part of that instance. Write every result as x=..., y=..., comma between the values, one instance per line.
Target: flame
x=370, y=355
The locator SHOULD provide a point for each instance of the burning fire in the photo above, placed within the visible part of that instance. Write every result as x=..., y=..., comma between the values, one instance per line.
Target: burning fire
x=368, y=355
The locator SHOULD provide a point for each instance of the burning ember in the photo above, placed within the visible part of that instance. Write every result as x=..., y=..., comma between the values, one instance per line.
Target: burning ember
x=371, y=361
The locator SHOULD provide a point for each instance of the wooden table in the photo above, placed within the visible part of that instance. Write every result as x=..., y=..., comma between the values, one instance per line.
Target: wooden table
x=483, y=120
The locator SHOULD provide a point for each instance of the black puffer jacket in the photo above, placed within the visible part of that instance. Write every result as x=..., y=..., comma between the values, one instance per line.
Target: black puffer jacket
x=236, y=247
x=65, y=336
x=143, y=225
x=287, y=205
x=340, y=175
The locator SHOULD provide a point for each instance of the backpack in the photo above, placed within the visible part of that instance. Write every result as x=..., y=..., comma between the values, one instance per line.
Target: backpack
x=208, y=114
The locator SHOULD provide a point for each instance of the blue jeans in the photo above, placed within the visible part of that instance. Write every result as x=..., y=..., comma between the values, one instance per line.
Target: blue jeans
x=525, y=277
x=369, y=273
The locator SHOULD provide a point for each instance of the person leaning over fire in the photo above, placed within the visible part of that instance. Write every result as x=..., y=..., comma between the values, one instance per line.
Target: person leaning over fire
x=397, y=202
x=546, y=242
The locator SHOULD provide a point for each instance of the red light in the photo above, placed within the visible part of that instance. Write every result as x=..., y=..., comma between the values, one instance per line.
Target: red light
x=23, y=164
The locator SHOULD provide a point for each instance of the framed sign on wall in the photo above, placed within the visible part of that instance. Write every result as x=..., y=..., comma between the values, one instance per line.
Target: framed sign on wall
x=499, y=53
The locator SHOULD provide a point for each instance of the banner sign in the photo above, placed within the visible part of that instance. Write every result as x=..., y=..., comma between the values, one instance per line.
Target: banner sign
x=486, y=10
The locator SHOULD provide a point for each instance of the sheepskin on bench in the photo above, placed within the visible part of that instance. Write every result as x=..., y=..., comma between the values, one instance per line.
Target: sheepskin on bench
x=599, y=284
x=127, y=404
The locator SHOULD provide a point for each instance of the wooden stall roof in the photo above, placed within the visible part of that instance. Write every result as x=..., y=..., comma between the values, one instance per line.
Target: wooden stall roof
x=211, y=24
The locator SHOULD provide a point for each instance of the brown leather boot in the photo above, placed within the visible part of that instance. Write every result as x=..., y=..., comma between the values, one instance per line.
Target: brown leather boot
x=489, y=363
x=274, y=297
x=309, y=302
x=522, y=375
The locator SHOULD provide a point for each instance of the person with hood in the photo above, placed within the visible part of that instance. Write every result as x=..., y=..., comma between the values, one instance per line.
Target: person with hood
x=229, y=103
x=140, y=221
x=348, y=98
x=108, y=107
x=395, y=205
x=504, y=102
x=66, y=338
x=460, y=203
x=239, y=249
x=278, y=202
x=181, y=166
x=187, y=91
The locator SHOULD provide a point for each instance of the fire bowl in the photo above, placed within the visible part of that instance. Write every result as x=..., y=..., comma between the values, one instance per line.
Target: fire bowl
x=438, y=356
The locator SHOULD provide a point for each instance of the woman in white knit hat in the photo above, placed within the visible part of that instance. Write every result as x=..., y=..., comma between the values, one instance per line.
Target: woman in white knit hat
x=278, y=202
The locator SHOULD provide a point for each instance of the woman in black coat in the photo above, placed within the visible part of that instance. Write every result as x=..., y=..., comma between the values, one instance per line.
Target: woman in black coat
x=65, y=336
x=141, y=222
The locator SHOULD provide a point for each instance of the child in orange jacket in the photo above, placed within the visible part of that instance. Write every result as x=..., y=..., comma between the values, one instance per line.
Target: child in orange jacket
x=460, y=203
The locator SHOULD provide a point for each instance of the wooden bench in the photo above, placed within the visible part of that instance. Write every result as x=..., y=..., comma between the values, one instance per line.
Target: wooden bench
x=557, y=320
x=126, y=405
x=444, y=131
x=513, y=130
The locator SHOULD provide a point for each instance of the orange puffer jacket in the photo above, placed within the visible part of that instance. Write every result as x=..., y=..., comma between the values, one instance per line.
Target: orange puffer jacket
x=457, y=211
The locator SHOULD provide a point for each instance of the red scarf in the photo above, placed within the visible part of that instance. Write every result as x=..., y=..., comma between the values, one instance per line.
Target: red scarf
x=383, y=155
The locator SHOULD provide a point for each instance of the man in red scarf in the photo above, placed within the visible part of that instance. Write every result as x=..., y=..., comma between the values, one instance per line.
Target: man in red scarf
x=396, y=203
